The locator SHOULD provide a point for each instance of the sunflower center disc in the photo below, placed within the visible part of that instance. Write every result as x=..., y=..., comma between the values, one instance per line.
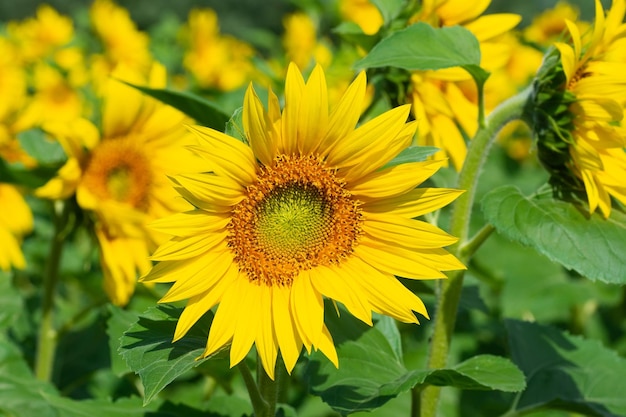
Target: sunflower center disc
x=293, y=220
x=118, y=170
x=296, y=216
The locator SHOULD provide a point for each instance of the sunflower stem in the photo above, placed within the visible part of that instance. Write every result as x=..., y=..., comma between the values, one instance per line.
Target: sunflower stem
x=449, y=291
x=467, y=250
x=48, y=337
x=258, y=403
x=269, y=389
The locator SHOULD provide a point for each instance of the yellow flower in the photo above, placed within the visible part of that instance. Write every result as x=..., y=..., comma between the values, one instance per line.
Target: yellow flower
x=13, y=100
x=440, y=98
x=119, y=174
x=122, y=42
x=16, y=220
x=38, y=37
x=305, y=209
x=363, y=13
x=216, y=61
x=54, y=98
x=598, y=85
x=301, y=44
x=549, y=25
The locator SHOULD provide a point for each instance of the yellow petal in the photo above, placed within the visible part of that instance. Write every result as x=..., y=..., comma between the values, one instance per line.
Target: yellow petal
x=568, y=60
x=294, y=96
x=307, y=309
x=394, y=181
x=215, y=266
x=190, y=223
x=286, y=333
x=369, y=140
x=336, y=283
x=211, y=188
x=226, y=316
x=199, y=304
x=345, y=115
x=489, y=26
x=228, y=156
x=122, y=103
x=327, y=347
x=266, y=343
x=386, y=293
x=187, y=247
x=414, y=203
x=246, y=322
x=259, y=132
x=406, y=232
x=313, y=116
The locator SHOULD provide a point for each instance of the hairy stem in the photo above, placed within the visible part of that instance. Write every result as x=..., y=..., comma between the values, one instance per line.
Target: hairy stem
x=449, y=291
x=258, y=403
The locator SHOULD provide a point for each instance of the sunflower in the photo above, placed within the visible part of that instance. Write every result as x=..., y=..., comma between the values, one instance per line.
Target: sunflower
x=118, y=174
x=306, y=209
x=595, y=76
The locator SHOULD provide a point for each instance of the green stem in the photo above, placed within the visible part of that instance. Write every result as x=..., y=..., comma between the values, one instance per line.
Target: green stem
x=258, y=403
x=47, y=338
x=449, y=291
x=269, y=388
x=467, y=250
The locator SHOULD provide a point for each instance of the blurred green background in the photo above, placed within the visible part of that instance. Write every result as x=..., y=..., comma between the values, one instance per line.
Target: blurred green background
x=237, y=14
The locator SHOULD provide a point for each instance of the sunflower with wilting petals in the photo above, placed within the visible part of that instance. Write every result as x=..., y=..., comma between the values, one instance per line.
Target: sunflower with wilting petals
x=595, y=79
x=119, y=173
x=306, y=209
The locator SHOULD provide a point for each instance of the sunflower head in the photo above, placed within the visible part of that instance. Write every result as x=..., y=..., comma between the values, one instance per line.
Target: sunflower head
x=578, y=109
x=305, y=208
x=552, y=122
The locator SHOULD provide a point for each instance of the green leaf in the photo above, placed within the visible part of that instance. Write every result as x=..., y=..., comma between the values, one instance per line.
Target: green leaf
x=234, y=127
x=119, y=321
x=124, y=407
x=412, y=154
x=389, y=9
x=422, y=47
x=201, y=110
x=148, y=350
x=19, y=175
x=10, y=300
x=371, y=372
x=566, y=371
x=591, y=245
x=20, y=393
x=45, y=151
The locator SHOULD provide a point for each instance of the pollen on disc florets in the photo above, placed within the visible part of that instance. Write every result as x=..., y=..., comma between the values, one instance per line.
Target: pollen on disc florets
x=119, y=170
x=296, y=216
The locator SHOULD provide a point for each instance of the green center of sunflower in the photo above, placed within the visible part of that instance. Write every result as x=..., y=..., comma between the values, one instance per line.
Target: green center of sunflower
x=296, y=216
x=293, y=219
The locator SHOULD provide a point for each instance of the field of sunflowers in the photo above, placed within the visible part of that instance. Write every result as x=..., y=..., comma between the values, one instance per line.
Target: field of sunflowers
x=314, y=208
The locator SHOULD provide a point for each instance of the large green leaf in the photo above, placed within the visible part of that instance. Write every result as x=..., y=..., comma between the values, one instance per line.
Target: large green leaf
x=201, y=110
x=566, y=371
x=422, y=47
x=20, y=393
x=119, y=321
x=148, y=349
x=590, y=245
x=371, y=372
